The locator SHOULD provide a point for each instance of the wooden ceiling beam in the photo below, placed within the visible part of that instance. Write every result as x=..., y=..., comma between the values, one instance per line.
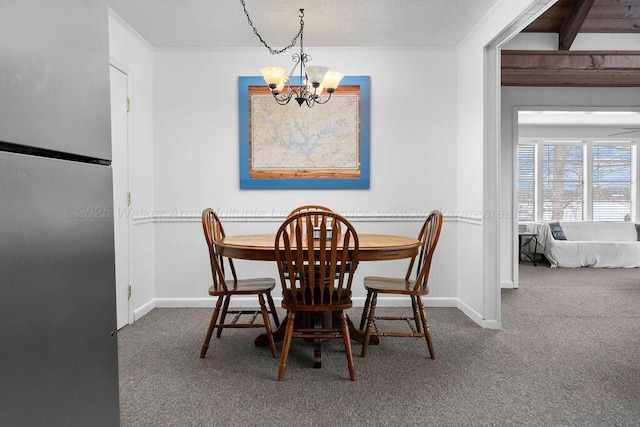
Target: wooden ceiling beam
x=573, y=22
x=571, y=68
x=605, y=16
x=551, y=20
x=601, y=25
x=599, y=11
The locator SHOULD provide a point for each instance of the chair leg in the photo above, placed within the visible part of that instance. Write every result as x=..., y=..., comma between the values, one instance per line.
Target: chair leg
x=223, y=315
x=365, y=310
x=267, y=326
x=291, y=318
x=367, y=333
x=347, y=345
x=416, y=314
x=427, y=331
x=212, y=323
x=272, y=308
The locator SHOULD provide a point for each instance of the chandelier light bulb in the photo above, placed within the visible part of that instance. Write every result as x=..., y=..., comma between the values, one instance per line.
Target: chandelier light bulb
x=305, y=82
x=280, y=86
x=274, y=76
x=315, y=74
x=332, y=80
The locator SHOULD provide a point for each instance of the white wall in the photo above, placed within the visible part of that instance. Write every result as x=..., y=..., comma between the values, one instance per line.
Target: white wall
x=607, y=41
x=196, y=158
x=196, y=127
x=129, y=51
x=478, y=282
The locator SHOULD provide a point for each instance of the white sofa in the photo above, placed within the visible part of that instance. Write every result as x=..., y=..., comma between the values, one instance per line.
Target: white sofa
x=590, y=244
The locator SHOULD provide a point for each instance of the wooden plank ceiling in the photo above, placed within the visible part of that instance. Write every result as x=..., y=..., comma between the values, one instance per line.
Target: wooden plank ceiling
x=563, y=67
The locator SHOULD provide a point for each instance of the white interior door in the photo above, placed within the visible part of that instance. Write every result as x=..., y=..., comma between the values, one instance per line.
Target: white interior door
x=121, y=198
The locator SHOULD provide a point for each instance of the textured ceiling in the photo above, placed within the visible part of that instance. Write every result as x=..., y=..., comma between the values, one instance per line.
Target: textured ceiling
x=328, y=23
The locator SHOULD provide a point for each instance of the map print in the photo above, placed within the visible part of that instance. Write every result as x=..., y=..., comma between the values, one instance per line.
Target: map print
x=296, y=138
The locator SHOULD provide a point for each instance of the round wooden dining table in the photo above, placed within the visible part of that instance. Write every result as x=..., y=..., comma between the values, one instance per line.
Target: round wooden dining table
x=372, y=247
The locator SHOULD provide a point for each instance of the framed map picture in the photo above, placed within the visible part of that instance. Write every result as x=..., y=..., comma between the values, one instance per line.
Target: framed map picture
x=292, y=146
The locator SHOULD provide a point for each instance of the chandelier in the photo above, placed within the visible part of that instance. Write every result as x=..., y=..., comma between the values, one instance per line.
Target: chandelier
x=305, y=83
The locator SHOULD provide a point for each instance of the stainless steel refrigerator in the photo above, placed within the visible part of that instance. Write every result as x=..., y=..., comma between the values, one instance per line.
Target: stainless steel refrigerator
x=58, y=337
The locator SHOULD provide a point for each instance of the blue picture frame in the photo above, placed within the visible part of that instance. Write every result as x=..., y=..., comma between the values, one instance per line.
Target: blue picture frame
x=361, y=182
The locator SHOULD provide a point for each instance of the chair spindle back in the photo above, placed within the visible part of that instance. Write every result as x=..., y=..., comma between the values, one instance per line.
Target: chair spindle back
x=213, y=233
x=429, y=235
x=317, y=254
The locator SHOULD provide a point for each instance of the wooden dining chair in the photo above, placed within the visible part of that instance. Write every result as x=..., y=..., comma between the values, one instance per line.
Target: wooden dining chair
x=315, y=217
x=413, y=288
x=224, y=289
x=316, y=271
x=315, y=213
x=309, y=208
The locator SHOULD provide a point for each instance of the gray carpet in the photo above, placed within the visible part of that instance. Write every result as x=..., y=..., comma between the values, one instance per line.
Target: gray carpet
x=568, y=355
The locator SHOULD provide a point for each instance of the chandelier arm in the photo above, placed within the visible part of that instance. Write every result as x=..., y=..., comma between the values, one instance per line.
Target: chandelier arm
x=312, y=100
x=318, y=101
x=299, y=61
x=282, y=100
x=271, y=50
x=305, y=91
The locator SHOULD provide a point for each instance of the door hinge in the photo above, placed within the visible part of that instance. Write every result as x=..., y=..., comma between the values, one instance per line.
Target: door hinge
x=128, y=104
x=129, y=291
x=128, y=198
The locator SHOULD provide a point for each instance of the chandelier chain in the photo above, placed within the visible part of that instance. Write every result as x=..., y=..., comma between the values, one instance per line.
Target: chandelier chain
x=271, y=50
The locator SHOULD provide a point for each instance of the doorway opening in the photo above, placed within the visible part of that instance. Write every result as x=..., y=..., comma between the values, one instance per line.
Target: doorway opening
x=119, y=81
x=572, y=164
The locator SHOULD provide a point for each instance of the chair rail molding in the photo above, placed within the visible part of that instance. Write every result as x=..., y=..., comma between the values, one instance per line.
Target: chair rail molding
x=196, y=217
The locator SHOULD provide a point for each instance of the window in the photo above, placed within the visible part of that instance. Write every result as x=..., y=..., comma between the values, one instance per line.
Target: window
x=576, y=180
x=612, y=182
x=562, y=182
x=526, y=183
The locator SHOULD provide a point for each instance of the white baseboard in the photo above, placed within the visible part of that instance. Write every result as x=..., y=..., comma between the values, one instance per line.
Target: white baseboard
x=391, y=301
x=491, y=324
x=203, y=302
x=252, y=301
x=383, y=301
x=476, y=317
x=507, y=284
x=144, y=309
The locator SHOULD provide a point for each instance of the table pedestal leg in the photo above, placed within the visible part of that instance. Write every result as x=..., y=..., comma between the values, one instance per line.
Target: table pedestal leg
x=318, y=323
x=278, y=335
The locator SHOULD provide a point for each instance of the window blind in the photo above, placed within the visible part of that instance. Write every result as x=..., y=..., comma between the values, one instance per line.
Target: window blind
x=563, y=182
x=612, y=182
x=526, y=183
